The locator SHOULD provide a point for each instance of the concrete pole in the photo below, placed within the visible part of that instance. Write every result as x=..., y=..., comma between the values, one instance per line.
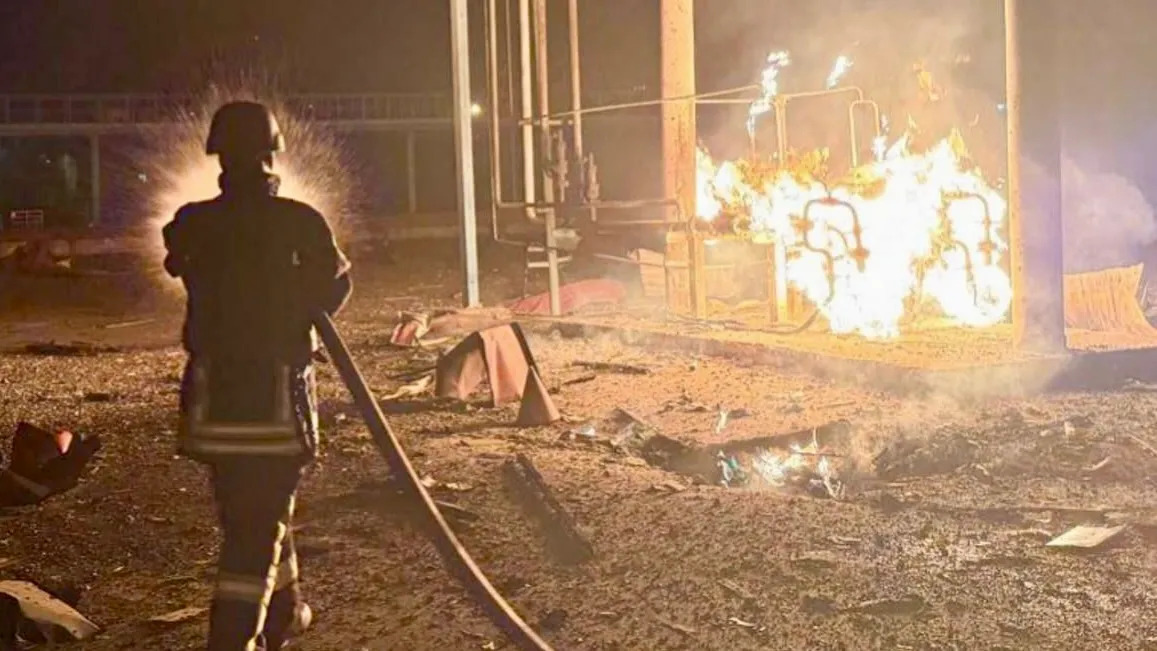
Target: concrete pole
x=678, y=80
x=411, y=173
x=542, y=61
x=94, y=163
x=464, y=146
x=526, y=86
x=1034, y=177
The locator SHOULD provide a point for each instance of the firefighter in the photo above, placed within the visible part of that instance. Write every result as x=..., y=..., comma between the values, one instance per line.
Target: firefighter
x=256, y=268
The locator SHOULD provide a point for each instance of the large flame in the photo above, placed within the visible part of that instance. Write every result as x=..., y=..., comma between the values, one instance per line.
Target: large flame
x=905, y=229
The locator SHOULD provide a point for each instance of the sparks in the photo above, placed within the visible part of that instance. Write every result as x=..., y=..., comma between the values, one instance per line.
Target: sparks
x=769, y=88
x=841, y=67
x=311, y=170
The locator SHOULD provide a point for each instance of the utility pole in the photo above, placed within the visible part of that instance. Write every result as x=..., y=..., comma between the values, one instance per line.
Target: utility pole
x=464, y=149
x=1036, y=235
x=678, y=80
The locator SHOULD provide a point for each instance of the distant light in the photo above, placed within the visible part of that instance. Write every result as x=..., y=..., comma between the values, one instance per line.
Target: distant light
x=1001, y=108
x=476, y=109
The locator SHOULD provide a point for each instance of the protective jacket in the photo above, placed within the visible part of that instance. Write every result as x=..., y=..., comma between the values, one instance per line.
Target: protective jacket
x=256, y=268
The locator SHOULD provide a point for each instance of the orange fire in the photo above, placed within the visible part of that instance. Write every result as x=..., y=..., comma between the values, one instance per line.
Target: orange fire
x=904, y=230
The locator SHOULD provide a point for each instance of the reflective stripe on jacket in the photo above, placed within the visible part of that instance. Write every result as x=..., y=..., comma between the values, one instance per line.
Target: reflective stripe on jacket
x=241, y=409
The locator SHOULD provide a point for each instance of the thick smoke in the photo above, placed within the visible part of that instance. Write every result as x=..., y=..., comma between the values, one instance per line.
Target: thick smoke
x=885, y=40
x=1107, y=220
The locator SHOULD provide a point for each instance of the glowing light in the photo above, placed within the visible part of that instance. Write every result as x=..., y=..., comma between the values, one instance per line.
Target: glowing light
x=769, y=88
x=311, y=170
x=841, y=67
x=476, y=109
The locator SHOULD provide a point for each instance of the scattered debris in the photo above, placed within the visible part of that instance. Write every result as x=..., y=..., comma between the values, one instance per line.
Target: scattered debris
x=685, y=630
x=499, y=355
x=624, y=413
x=742, y=623
x=737, y=590
x=586, y=431
x=817, y=559
x=456, y=512
x=926, y=457
x=43, y=464
x=721, y=421
x=613, y=367
x=730, y=472
x=1145, y=444
x=844, y=541
x=727, y=415
x=457, y=487
x=41, y=617
x=1138, y=386
x=128, y=324
x=529, y=486
x=908, y=606
x=411, y=390
x=669, y=486
x=1100, y=465
x=410, y=329
x=582, y=379
x=537, y=408
x=179, y=616
x=1085, y=537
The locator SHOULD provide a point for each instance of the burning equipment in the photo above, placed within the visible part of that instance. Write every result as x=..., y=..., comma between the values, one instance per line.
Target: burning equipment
x=501, y=356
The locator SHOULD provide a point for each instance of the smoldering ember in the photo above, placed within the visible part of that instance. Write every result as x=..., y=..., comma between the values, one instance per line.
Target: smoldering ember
x=673, y=325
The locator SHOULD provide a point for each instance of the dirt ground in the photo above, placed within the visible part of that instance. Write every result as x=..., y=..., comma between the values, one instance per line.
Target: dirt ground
x=937, y=541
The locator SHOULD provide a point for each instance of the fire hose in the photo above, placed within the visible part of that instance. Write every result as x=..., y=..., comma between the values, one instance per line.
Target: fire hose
x=453, y=553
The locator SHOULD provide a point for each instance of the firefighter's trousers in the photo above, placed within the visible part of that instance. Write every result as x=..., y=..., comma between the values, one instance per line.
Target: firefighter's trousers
x=257, y=594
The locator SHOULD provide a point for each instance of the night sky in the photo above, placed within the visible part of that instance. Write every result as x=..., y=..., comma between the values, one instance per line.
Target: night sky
x=1105, y=56
x=402, y=45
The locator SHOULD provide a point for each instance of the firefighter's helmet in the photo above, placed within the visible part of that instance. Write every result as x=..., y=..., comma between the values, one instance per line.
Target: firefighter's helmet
x=244, y=129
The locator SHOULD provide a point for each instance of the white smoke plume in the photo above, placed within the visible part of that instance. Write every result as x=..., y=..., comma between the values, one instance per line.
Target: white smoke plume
x=1107, y=220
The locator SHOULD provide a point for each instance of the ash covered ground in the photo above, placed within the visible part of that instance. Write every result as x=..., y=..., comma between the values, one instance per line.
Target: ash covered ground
x=937, y=542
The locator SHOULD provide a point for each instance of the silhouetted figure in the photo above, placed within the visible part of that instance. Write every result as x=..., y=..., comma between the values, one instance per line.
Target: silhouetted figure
x=256, y=268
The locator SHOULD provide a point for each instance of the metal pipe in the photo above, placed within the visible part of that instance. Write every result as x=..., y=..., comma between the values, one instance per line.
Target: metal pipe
x=875, y=108
x=411, y=173
x=529, y=194
x=94, y=163
x=698, y=98
x=532, y=207
x=507, y=24
x=496, y=185
x=464, y=146
x=542, y=59
x=576, y=91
